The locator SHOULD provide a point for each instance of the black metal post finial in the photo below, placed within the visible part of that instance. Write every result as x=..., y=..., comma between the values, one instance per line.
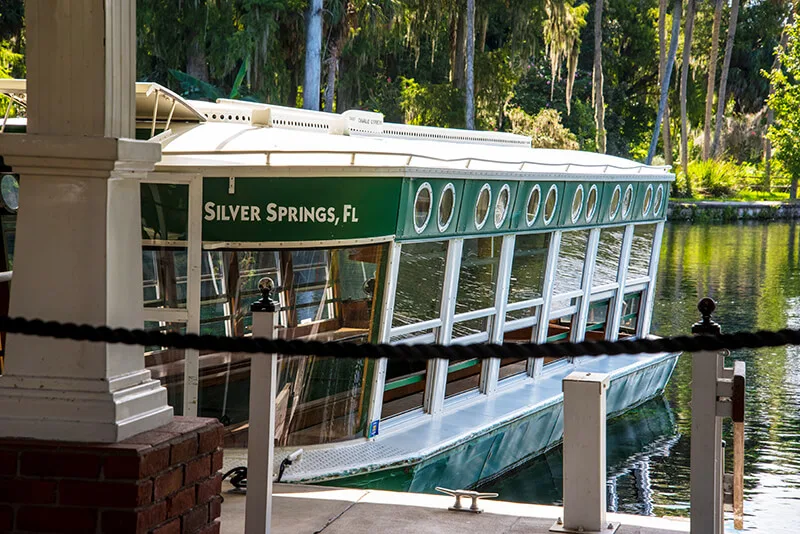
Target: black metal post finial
x=706, y=326
x=265, y=303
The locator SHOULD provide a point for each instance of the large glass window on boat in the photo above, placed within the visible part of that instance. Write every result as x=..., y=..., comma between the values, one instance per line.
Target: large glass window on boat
x=641, y=249
x=609, y=249
x=629, y=321
x=597, y=320
x=524, y=296
x=324, y=295
x=567, y=286
x=416, y=319
x=474, y=313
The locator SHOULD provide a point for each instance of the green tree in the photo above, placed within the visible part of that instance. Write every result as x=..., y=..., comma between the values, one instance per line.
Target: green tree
x=785, y=103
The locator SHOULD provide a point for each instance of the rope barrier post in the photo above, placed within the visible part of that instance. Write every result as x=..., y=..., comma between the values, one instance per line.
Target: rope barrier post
x=585, y=455
x=706, y=438
x=261, y=433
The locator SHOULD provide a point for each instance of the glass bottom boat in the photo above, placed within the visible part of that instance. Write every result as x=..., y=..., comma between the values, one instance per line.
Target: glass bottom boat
x=377, y=232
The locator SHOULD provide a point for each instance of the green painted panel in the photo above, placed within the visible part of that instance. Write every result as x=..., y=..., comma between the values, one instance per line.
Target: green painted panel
x=569, y=192
x=435, y=227
x=467, y=224
x=519, y=219
x=604, y=215
x=299, y=209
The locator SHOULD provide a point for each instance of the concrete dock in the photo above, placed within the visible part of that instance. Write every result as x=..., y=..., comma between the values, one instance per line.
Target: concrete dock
x=301, y=509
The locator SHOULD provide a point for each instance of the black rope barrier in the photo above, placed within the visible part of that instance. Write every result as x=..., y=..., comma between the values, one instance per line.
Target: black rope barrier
x=83, y=332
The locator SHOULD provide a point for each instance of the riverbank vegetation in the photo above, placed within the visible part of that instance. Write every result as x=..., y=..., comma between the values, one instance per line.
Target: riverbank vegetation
x=571, y=73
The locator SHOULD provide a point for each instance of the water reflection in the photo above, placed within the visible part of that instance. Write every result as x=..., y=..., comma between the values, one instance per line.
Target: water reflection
x=753, y=271
x=636, y=441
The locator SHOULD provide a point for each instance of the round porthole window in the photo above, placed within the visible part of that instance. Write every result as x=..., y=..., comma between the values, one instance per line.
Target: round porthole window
x=627, y=199
x=613, y=207
x=659, y=200
x=446, y=204
x=9, y=191
x=534, y=202
x=648, y=200
x=550, y=204
x=591, y=203
x=422, y=207
x=482, y=206
x=577, y=203
x=501, y=207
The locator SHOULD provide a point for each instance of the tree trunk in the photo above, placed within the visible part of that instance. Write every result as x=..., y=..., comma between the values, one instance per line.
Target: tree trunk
x=597, y=79
x=484, y=29
x=459, y=66
x=330, y=86
x=685, y=66
x=311, y=83
x=712, y=75
x=723, y=79
x=453, y=40
x=662, y=104
x=662, y=63
x=470, y=82
x=196, y=63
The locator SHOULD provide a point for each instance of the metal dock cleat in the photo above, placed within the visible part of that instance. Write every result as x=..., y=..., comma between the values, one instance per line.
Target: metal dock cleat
x=474, y=495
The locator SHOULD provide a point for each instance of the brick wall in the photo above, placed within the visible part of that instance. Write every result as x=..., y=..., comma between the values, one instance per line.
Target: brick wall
x=165, y=481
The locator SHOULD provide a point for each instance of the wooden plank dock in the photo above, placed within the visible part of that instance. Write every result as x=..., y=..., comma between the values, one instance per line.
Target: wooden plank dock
x=301, y=509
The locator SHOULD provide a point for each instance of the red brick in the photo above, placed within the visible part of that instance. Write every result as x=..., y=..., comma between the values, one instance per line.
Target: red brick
x=184, y=450
x=136, y=521
x=8, y=463
x=27, y=491
x=112, y=494
x=152, y=437
x=210, y=439
x=49, y=464
x=168, y=483
x=52, y=519
x=198, y=469
x=6, y=518
x=211, y=528
x=171, y=527
x=195, y=520
x=180, y=502
x=135, y=467
x=215, y=508
x=216, y=461
x=207, y=489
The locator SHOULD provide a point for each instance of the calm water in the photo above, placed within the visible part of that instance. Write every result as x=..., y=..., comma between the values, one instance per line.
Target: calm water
x=753, y=273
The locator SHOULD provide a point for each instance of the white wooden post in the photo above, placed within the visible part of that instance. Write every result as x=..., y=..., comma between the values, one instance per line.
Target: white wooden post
x=543, y=324
x=706, y=452
x=261, y=434
x=585, y=489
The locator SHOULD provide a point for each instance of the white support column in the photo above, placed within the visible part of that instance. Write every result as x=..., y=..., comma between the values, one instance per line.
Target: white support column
x=78, y=251
x=387, y=316
x=579, y=330
x=437, y=369
x=540, y=333
x=647, y=302
x=491, y=368
x=706, y=454
x=261, y=437
x=612, y=333
x=191, y=370
x=584, y=446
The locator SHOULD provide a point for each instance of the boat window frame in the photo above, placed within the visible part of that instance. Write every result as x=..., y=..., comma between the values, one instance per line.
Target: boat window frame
x=529, y=221
x=425, y=186
x=452, y=189
x=479, y=225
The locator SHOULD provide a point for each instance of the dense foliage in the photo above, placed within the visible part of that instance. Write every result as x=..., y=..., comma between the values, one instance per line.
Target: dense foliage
x=406, y=59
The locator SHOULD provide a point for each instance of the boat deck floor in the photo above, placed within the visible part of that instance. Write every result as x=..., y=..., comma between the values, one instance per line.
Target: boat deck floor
x=301, y=509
